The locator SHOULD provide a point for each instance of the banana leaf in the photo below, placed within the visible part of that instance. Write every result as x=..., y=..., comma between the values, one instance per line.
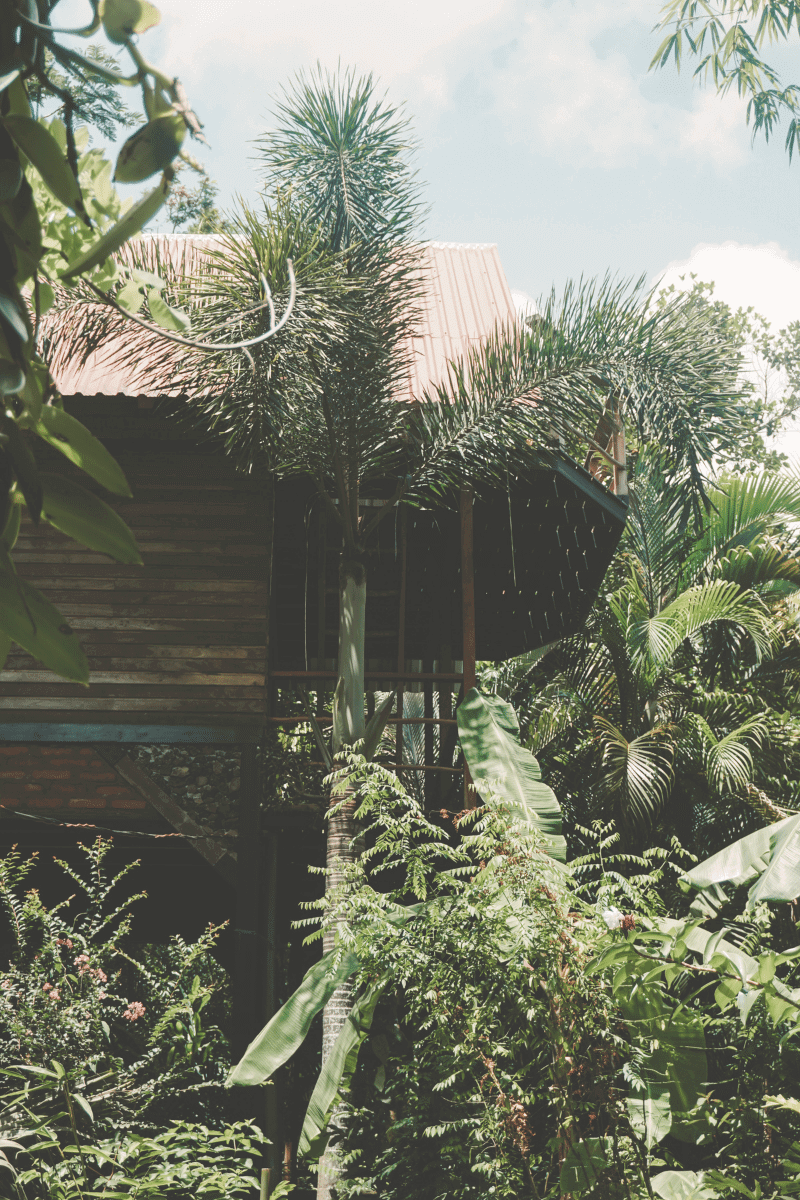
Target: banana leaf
x=287, y=1030
x=336, y=1073
x=502, y=768
x=769, y=859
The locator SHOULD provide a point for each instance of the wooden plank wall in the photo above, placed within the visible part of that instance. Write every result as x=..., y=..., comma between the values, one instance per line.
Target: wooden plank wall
x=180, y=640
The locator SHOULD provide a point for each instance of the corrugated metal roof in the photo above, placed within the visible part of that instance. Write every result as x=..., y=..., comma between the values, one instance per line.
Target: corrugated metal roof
x=466, y=294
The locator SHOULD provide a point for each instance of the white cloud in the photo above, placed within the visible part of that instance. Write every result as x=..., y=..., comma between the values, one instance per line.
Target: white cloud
x=389, y=39
x=764, y=277
x=560, y=93
x=716, y=128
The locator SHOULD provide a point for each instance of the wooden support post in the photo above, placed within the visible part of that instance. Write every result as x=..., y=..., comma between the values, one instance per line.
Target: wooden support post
x=467, y=613
x=247, y=973
x=322, y=536
x=431, y=783
x=401, y=630
x=268, y=947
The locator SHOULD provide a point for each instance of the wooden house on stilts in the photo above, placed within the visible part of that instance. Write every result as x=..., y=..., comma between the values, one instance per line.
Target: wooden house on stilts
x=200, y=668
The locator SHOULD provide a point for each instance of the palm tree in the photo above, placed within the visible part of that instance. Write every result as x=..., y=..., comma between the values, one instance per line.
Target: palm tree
x=318, y=400
x=686, y=668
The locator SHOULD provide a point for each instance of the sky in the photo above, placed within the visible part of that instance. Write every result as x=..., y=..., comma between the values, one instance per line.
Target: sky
x=539, y=125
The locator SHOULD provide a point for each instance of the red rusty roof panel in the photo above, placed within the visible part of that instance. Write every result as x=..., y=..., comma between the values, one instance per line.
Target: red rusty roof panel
x=465, y=295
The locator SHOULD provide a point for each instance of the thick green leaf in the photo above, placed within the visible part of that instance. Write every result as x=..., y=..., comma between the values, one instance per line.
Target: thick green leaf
x=5, y=646
x=10, y=532
x=376, y=725
x=8, y=77
x=33, y=623
x=583, y=1164
x=681, y=1036
x=11, y=314
x=24, y=465
x=769, y=858
x=39, y=145
x=698, y=940
x=82, y=448
x=86, y=518
x=500, y=766
x=166, y=317
x=10, y=178
x=19, y=218
x=649, y=1109
x=127, y=227
x=130, y=297
x=12, y=378
x=335, y=1076
x=287, y=1030
x=150, y=149
x=84, y=1106
x=148, y=279
x=681, y=1185
x=121, y=18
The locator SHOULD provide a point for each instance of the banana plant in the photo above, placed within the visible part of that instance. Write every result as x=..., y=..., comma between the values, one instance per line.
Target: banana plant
x=768, y=860
x=500, y=767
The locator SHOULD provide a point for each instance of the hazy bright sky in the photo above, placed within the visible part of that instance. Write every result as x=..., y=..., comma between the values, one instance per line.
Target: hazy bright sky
x=539, y=125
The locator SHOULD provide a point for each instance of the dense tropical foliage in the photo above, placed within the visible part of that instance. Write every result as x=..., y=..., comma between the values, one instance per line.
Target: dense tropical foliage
x=523, y=1028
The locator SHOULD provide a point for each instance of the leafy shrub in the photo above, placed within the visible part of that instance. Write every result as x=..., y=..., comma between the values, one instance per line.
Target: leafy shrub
x=148, y=1027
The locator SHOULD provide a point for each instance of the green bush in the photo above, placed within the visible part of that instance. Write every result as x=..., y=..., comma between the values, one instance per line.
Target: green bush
x=143, y=1031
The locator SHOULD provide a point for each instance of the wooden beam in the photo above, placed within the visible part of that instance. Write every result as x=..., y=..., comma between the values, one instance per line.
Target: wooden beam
x=201, y=735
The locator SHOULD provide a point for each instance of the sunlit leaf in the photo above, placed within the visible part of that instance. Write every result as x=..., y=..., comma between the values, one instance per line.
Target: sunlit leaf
x=35, y=624
x=44, y=152
x=86, y=518
x=81, y=447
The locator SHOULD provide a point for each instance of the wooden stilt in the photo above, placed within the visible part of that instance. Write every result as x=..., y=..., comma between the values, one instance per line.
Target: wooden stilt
x=467, y=614
x=247, y=975
x=401, y=631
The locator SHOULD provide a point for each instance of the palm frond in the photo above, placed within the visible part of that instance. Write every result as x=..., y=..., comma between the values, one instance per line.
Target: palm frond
x=765, y=565
x=696, y=609
x=345, y=153
x=744, y=510
x=654, y=532
x=639, y=773
x=598, y=343
x=728, y=760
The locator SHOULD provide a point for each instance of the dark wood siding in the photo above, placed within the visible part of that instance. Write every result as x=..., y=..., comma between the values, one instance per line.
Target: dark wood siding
x=180, y=640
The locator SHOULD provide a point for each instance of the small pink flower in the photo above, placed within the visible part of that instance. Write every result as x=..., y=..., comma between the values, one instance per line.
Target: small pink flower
x=55, y=994
x=101, y=995
x=47, y=987
x=134, y=1010
x=6, y=984
x=98, y=974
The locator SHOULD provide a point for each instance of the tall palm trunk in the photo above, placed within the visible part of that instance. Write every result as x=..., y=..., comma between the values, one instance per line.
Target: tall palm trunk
x=348, y=727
